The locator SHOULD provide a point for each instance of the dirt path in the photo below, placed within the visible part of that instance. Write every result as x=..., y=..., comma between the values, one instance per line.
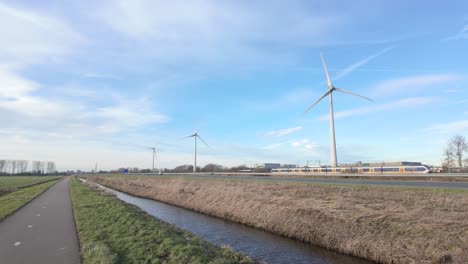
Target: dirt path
x=43, y=231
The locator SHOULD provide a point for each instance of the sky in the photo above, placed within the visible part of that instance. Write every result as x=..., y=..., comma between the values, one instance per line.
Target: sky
x=86, y=82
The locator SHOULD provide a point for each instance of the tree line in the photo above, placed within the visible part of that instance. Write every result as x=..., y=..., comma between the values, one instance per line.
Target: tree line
x=454, y=152
x=25, y=167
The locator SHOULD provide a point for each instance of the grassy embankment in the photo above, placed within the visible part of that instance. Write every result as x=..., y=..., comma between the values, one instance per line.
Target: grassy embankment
x=18, y=197
x=383, y=224
x=111, y=231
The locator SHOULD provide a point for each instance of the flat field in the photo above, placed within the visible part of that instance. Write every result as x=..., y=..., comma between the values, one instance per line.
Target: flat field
x=16, y=199
x=11, y=183
x=111, y=231
x=383, y=224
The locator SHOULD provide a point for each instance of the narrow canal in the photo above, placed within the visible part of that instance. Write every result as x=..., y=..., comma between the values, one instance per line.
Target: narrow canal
x=260, y=245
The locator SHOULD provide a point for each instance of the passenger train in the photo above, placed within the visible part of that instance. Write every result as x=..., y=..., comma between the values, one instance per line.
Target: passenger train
x=421, y=169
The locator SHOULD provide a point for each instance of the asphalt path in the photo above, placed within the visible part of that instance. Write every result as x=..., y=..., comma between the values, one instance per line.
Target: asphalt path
x=424, y=184
x=43, y=231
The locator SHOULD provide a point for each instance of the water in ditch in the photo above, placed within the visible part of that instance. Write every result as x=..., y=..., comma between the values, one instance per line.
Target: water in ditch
x=260, y=245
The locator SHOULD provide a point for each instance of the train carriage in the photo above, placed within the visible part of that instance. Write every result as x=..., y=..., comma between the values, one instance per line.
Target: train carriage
x=422, y=169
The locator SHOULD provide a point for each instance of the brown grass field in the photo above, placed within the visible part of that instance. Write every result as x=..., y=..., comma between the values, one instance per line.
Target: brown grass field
x=383, y=224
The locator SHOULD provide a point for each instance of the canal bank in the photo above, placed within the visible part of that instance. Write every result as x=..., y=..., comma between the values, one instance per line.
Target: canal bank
x=261, y=246
x=387, y=225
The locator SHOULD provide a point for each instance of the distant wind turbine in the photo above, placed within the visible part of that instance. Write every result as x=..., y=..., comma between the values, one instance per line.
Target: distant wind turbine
x=195, y=136
x=154, y=153
x=329, y=93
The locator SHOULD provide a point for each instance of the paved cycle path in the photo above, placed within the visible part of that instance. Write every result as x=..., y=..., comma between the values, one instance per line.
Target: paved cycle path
x=43, y=231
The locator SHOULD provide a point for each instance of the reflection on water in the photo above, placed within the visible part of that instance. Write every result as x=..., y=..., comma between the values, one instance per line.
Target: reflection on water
x=255, y=243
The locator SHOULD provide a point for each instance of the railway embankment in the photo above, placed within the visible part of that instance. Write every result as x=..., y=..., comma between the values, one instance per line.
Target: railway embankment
x=383, y=224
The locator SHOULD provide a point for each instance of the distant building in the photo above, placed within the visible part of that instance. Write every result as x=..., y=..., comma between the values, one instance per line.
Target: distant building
x=289, y=166
x=268, y=166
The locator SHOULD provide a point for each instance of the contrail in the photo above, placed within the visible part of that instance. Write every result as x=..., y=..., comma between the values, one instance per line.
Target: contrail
x=360, y=63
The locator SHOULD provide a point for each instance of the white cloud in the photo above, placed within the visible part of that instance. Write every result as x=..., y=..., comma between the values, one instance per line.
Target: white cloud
x=19, y=98
x=460, y=126
x=307, y=146
x=283, y=132
x=13, y=86
x=29, y=37
x=413, y=83
x=273, y=146
x=462, y=34
x=395, y=105
x=215, y=30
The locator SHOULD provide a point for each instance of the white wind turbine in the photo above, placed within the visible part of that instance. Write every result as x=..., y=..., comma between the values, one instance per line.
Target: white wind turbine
x=154, y=153
x=329, y=93
x=195, y=136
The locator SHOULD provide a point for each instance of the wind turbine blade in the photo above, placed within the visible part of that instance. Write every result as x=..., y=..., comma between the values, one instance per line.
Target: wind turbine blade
x=188, y=136
x=355, y=94
x=326, y=71
x=203, y=141
x=316, y=102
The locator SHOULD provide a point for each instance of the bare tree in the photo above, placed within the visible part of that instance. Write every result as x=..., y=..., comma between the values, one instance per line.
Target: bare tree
x=36, y=167
x=13, y=165
x=6, y=169
x=42, y=167
x=50, y=167
x=212, y=168
x=2, y=166
x=459, y=146
x=448, y=158
x=22, y=166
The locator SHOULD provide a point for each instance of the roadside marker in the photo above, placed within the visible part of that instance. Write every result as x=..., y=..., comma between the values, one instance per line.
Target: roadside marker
x=38, y=215
x=17, y=244
x=29, y=226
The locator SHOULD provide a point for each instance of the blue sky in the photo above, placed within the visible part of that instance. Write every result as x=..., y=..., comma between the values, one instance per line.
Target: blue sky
x=94, y=81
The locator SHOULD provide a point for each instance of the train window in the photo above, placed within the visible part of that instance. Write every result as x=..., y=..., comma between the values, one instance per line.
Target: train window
x=338, y=170
x=377, y=169
x=420, y=169
x=365, y=169
x=315, y=170
x=391, y=169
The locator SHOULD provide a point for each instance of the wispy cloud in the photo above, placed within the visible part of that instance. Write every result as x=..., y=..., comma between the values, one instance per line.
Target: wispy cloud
x=101, y=76
x=361, y=63
x=306, y=145
x=215, y=29
x=451, y=127
x=283, y=132
x=462, y=34
x=29, y=37
x=273, y=146
x=399, y=104
x=292, y=97
x=413, y=84
x=21, y=101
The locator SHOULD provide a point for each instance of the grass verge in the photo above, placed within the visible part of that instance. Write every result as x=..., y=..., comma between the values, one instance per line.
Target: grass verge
x=111, y=231
x=13, y=201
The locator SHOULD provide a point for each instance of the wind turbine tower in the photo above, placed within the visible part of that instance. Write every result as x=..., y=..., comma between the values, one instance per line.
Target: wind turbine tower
x=195, y=136
x=154, y=154
x=331, y=89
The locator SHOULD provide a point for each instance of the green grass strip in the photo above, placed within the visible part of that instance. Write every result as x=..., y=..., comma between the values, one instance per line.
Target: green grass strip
x=11, y=202
x=111, y=231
